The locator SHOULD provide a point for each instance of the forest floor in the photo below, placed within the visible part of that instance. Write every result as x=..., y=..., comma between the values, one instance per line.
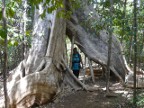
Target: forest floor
x=120, y=96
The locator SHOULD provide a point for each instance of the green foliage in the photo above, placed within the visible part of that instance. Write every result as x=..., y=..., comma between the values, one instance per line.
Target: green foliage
x=122, y=22
x=10, y=12
x=12, y=43
x=0, y=15
x=140, y=98
x=14, y=12
x=3, y=33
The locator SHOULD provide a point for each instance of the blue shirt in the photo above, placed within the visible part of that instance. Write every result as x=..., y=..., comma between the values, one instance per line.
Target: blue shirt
x=76, y=61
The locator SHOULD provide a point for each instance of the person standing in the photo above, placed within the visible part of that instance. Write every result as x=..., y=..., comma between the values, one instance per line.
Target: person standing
x=76, y=62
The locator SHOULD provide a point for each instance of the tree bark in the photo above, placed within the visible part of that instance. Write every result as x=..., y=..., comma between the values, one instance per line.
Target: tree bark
x=84, y=69
x=5, y=52
x=109, y=45
x=135, y=52
x=91, y=70
x=23, y=30
x=96, y=47
x=45, y=67
x=123, y=21
x=72, y=46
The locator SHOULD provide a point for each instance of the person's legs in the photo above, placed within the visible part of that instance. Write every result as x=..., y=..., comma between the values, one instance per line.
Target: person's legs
x=76, y=73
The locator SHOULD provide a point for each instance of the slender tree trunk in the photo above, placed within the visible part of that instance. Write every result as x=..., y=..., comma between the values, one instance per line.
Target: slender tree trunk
x=84, y=70
x=72, y=46
x=139, y=50
x=1, y=63
x=24, y=18
x=91, y=70
x=123, y=21
x=5, y=51
x=135, y=52
x=130, y=50
x=65, y=53
x=23, y=27
x=109, y=47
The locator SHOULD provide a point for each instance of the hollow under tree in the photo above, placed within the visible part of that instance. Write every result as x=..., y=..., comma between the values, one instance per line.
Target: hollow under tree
x=45, y=68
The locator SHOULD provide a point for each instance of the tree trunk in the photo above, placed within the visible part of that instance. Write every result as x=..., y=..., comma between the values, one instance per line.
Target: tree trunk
x=109, y=46
x=96, y=47
x=123, y=21
x=24, y=20
x=5, y=52
x=135, y=52
x=23, y=29
x=45, y=67
x=130, y=50
x=72, y=46
x=91, y=70
x=84, y=69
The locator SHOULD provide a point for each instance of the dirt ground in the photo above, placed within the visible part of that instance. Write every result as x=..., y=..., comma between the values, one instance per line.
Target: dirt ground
x=119, y=97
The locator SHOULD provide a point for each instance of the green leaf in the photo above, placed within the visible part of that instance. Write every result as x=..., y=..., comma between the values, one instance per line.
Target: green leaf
x=47, y=1
x=11, y=12
x=16, y=43
x=19, y=1
x=28, y=33
x=37, y=6
x=43, y=14
x=3, y=33
x=1, y=41
x=50, y=9
x=13, y=43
